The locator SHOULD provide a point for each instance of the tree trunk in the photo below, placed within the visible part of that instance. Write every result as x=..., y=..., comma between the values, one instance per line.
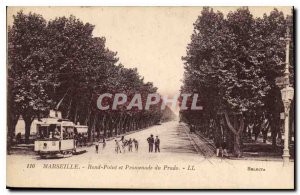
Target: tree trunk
x=237, y=145
x=110, y=127
x=28, y=122
x=105, y=124
x=237, y=133
x=76, y=112
x=274, y=135
x=123, y=125
x=69, y=109
x=11, y=128
x=88, y=117
x=93, y=128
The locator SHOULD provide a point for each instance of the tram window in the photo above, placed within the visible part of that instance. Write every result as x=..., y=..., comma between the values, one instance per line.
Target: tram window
x=51, y=131
x=39, y=132
x=56, y=132
x=43, y=132
x=64, y=134
x=68, y=132
x=71, y=132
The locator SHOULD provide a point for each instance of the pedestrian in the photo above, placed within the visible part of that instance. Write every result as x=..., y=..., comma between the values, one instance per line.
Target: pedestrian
x=218, y=147
x=130, y=145
x=150, y=141
x=97, y=146
x=117, y=148
x=104, y=144
x=156, y=143
x=124, y=143
x=136, y=145
x=250, y=130
x=224, y=149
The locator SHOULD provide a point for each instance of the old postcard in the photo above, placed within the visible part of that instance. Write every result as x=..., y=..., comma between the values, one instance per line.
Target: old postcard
x=150, y=97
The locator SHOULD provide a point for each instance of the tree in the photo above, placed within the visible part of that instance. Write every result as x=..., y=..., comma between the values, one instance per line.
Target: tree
x=27, y=61
x=233, y=64
x=59, y=64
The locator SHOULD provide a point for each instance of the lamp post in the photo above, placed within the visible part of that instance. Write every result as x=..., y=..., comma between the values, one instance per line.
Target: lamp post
x=287, y=94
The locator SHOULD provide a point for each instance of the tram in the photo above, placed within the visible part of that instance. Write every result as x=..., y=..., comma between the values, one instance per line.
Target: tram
x=55, y=137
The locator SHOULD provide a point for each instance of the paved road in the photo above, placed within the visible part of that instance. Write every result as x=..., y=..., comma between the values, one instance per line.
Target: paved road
x=177, y=153
x=174, y=140
x=174, y=137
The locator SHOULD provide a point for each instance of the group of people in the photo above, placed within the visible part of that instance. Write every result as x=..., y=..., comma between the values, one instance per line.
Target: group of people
x=120, y=145
x=97, y=143
x=81, y=139
x=153, y=142
x=221, y=149
x=123, y=145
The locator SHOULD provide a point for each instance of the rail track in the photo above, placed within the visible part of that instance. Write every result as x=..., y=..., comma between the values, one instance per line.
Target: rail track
x=202, y=145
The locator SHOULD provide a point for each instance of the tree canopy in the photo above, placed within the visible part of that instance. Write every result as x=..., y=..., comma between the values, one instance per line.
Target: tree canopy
x=61, y=59
x=232, y=63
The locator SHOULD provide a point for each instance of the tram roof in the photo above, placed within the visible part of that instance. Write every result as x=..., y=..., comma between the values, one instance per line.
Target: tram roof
x=81, y=128
x=49, y=121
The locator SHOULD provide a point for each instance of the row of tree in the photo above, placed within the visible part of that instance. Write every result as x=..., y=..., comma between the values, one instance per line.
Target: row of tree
x=60, y=62
x=232, y=63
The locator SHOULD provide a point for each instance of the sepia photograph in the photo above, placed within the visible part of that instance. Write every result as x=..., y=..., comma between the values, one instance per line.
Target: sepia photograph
x=183, y=97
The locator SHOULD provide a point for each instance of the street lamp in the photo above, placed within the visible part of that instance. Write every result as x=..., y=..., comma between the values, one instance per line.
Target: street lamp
x=287, y=95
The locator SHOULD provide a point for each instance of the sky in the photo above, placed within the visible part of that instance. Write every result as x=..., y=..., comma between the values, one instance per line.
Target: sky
x=152, y=39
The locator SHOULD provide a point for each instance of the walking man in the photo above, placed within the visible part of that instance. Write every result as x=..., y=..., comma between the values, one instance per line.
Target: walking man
x=104, y=144
x=130, y=145
x=97, y=146
x=136, y=145
x=150, y=141
x=124, y=143
x=117, y=147
x=156, y=143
